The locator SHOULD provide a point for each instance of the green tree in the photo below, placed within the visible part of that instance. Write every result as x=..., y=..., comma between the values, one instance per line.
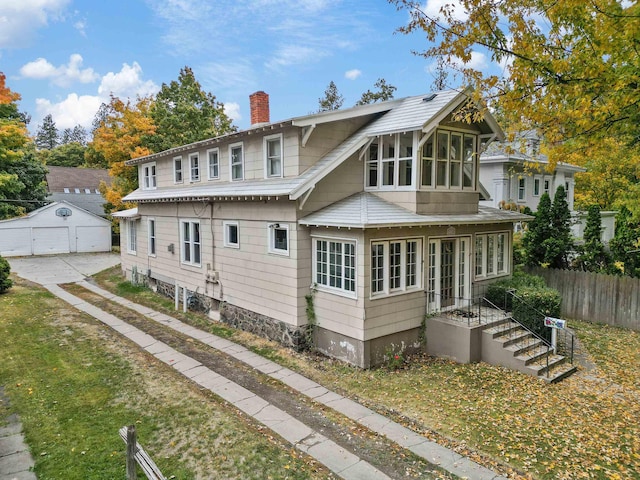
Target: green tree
x=539, y=230
x=383, y=93
x=560, y=244
x=592, y=255
x=625, y=244
x=22, y=187
x=67, y=155
x=183, y=113
x=332, y=99
x=47, y=136
x=5, y=270
x=76, y=134
x=572, y=66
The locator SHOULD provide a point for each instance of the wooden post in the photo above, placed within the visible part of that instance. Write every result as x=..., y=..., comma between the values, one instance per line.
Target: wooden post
x=131, y=453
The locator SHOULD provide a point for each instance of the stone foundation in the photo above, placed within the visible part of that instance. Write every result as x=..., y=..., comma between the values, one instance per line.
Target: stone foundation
x=263, y=326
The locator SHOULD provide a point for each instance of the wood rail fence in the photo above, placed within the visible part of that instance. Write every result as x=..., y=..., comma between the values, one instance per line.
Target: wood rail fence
x=595, y=297
x=137, y=455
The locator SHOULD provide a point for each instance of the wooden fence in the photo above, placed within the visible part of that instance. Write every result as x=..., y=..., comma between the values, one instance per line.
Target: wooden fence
x=595, y=297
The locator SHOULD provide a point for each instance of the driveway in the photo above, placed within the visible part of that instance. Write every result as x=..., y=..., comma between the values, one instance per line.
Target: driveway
x=66, y=268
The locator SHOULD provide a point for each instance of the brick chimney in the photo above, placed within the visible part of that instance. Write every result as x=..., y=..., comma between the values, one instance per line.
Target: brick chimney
x=259, y=104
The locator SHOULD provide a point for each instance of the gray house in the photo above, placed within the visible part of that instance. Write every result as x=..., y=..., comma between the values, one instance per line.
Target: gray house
x=373, y=211
x=78, y=186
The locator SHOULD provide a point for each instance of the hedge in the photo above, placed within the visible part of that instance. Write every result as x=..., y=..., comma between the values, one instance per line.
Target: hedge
x=5, y=270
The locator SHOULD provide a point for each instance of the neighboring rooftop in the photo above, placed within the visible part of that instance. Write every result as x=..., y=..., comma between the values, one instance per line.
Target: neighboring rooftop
x=78, y=186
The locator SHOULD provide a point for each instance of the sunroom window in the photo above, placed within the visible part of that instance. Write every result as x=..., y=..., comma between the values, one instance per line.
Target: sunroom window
x=448, y=160
x=390, y=161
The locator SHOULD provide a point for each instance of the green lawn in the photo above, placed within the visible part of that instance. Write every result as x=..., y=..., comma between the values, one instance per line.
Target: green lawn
x=74, y=383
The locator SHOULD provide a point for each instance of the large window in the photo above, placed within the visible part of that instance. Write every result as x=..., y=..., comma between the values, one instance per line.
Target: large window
x=151, y=231
x=448, y=160
x=491, y=254
x=273, y=155
x=177, y=170
x=190, y=240
x=237, y=161
x=148, y=176
x=279, y=239
x=390, y=161
x=395, y=266
x=132, y=236
x=194, y=167
x=213, y=159
x=335, y=265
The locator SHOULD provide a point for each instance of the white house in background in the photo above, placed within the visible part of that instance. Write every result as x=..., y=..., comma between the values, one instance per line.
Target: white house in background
x=516, y=174
x=373, y=211
x=59, y=227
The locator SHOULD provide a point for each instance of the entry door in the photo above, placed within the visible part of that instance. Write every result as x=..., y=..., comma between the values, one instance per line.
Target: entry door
x=448, y=273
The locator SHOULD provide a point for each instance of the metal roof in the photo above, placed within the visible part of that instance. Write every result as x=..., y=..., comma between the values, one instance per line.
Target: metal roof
x=367, y=210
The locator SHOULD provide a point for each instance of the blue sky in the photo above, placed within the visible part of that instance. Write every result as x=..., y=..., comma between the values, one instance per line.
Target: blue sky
x=66, y=56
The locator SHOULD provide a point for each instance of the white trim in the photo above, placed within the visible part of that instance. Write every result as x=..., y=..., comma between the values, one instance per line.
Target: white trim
x=151, y=253
x=271, y=231
x=241, y=163
x=265, y=151
x=194, y=156
x=314, y=267
x=148, y=176
x=484, y=255
x=386, y=267
x=538, y=179
x=192, y=243
x=132, y=236
x=209, y=152
x=175, y=171
x=227, y=243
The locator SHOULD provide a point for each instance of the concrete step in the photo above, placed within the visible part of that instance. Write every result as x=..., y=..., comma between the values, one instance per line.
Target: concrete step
x=523, y=348
x=536, y=354
x=559, y=372
x=541, y=366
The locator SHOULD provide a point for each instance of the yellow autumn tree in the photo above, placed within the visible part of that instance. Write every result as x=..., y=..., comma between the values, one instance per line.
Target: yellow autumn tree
x=121, y=136
x=571, y=68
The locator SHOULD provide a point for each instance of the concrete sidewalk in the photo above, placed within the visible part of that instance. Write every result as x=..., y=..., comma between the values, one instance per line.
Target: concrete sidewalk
x=337, y=459
x=16, y=461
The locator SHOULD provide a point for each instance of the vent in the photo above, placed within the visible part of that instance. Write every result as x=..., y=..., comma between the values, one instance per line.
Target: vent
x=428, y=98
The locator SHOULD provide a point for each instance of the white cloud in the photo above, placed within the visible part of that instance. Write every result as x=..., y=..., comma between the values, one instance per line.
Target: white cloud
x=80, y=109
x=236, y=75
x=81, y=27
x=352, y=74
x=232, y=109
x=64, y=75
x=478, y=61
x=127, y=83
x=434, y=8
x=20, y=19
x=294, y=55
x=73, y=110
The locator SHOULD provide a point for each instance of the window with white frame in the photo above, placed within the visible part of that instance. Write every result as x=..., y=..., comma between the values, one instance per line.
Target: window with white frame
x=547, y=186
x=395, y=266
x=132, y=236
x=448, y=160
x=491, y=254
x=273, y=155
x=194, y=167
x=213, y=163
x=278, y=238
x=536, y=187
x=231, y=234
x=190, y=241
x=177, y=170
x=151, y=232
x=149, y=176
x=390, y=161
x=237, y=161
x=522, y=188
x=335, y=265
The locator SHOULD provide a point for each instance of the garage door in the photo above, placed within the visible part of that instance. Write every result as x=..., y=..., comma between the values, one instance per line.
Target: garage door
x=50, y=240
x=93, y=239
x=15, y=242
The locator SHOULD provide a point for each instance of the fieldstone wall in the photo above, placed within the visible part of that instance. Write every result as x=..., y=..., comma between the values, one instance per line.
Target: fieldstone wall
x=267, y=327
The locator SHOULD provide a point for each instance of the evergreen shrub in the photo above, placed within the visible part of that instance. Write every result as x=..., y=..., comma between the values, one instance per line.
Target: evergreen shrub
x=5, y=270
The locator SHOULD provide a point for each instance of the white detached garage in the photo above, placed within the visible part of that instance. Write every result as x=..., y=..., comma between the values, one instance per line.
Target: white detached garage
x=59, y=227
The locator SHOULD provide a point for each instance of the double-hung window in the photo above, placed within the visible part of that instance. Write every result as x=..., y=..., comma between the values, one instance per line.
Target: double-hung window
x=190, y=240
x=151, y=231
x=237, y=161
x=231, y=234
x=278, y=238
x=149, y=176
x=194, y=167
x=335, y=265
x=448, y=160
x=522, y=189
x=132, y=236
x=536, y=187
x=213, y=163
x=273, y=155
x=491, y=254
x=177, y=170
x=390, y=161
x=395, y=266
